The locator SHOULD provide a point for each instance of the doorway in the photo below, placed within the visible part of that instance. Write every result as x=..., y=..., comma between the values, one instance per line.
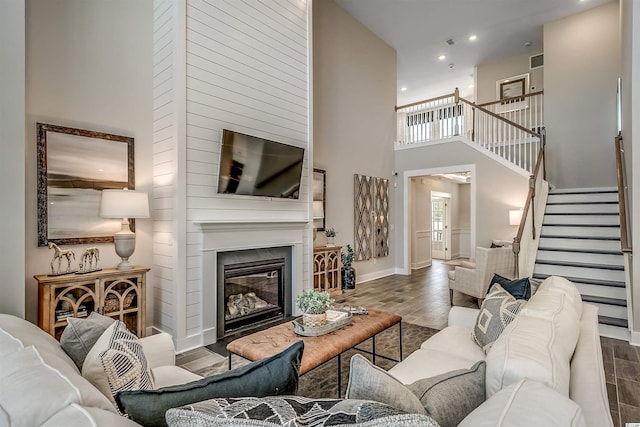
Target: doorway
x=440, y=225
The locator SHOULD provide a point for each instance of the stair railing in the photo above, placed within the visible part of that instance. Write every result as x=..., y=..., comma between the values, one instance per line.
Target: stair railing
x=526, y=110
x=451, y=115
x=622, y=205
x=533, y=207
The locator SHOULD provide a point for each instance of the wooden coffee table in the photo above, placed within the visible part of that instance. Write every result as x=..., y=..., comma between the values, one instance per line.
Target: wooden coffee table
x=321, y=349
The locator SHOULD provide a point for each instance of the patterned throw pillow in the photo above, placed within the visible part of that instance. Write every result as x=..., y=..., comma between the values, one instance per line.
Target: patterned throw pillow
x=117, y=363
x=498, y=309
x=519, y=288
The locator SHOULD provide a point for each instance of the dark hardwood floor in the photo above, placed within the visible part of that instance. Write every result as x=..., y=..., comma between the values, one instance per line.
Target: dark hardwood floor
x=423, y=299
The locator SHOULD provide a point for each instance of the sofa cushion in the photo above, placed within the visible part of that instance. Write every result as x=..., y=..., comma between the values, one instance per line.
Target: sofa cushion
x=369, y=382
x=9, y=344
x=457, y=340
x=80, y=335
x=31, y=391
x=519, y=288
x=414, y=368
x=275, y=375
x=538, y=344
x=116, y=362
x=561, y=285
x=450, y=397
x=498, y=309
x=53, y=355
x=165, y=376
x=526, y=403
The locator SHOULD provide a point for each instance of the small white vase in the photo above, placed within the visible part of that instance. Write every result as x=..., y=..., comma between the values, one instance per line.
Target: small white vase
x=331, y=241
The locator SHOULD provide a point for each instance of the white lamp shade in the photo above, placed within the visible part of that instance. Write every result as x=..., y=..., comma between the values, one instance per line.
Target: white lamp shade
x=515, y=216
x=318, y=209
x=124, y=204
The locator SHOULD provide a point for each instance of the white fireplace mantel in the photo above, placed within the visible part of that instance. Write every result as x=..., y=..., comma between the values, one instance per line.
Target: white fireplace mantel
x=232, y=235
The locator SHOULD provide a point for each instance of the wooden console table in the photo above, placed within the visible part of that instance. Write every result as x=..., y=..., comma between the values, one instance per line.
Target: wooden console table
x=119, y=294
x=327, y=266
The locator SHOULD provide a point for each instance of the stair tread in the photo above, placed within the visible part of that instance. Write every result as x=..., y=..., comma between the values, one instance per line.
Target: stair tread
x=581, y=265
x=581, y=203
x=581, y=251
x=606, y=320
x=604, y=300
x=582, y=225
x=554, y=236
x=581, y=214
x=583, y=192
x=586, y=281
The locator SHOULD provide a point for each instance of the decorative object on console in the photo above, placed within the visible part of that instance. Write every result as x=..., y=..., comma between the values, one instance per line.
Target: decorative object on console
x=57, y=256
x=348, y=272
x=515, y=216
x=124, y=204
x=371, y=213
x=314, y=306
x=74, y=166
x=87, y=261
x=331, y=235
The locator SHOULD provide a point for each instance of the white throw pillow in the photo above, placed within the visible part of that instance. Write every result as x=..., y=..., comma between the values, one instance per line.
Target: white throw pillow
x=526, y=403
x=538, y=344
x=32, y=391
x=117, y=363
x=8, y=343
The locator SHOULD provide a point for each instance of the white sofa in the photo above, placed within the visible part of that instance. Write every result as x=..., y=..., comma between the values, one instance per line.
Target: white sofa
x=84, y=405
x=553, y=341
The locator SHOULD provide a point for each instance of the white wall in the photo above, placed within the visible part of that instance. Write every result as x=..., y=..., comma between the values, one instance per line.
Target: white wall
x=354, y=97
x=464, y=221
x=88, y=66
x=582, y=64
x=489, y=73
x=498, y=189
x=219, y=65
x=12, y=152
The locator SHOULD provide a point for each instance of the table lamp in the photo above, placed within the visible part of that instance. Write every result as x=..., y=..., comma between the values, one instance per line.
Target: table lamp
x=515, y=216
x=124, y=204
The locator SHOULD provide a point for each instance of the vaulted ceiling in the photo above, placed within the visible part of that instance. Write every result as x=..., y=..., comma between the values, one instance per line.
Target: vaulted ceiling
x=419, y=29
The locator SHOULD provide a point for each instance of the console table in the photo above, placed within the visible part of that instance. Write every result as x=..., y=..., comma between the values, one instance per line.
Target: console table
x=119, y=294
x=327, y=266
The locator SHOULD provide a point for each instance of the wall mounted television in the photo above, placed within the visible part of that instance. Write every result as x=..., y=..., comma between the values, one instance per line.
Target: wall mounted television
x=253, y=166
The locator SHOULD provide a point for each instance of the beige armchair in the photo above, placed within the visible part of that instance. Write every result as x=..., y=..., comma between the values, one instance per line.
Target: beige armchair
x=475, y=281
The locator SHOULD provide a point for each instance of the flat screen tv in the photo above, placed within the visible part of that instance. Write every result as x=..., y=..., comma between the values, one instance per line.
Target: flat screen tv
x=253, y=166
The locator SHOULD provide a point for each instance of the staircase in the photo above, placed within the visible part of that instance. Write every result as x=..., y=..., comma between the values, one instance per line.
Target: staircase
x=580, y=240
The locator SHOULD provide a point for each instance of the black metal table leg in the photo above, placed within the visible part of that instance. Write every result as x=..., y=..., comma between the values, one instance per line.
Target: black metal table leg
x=339, y=375
x=230, y=354
x=400, y=337
x=373, y=349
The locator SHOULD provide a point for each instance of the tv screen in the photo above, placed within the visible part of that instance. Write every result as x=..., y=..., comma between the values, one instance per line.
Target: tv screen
x=253, y=166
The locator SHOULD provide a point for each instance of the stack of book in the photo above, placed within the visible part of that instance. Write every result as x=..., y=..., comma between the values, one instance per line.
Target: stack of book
x=63, y=314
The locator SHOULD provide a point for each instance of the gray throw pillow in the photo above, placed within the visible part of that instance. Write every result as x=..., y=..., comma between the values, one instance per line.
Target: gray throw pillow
x=80, y=335
x=498, y=309
x=450, y=397
x=275, y=375
x=369, y=382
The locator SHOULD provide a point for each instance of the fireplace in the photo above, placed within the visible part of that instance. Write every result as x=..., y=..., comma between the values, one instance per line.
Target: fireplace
x=253, y=288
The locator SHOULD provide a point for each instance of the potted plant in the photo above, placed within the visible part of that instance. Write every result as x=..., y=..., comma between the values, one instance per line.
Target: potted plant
x=348, y=272
x=331, y=234
x=314, y=305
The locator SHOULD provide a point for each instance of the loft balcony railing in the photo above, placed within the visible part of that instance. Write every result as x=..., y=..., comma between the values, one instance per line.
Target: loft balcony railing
x=510, y=128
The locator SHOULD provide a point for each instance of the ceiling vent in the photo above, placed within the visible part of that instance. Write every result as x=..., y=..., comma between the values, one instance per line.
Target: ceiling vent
x=450, y=42
x=536, y=61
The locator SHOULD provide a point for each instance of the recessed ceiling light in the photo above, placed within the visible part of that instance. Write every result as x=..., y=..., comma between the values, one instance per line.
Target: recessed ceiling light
x=472, y=37
x=403, y=89
x=527, y=44
x=442, y=57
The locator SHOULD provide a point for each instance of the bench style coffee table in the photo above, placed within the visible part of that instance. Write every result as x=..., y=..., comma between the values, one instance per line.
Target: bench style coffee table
x=320, y=349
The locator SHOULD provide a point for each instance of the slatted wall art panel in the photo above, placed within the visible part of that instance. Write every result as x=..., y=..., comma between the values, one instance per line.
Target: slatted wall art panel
x=381, y=217
x=164, y=164
x=362, y=221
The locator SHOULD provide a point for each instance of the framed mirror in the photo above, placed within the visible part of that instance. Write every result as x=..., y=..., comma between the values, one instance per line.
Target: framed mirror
x=319, y=198
x=74, y=166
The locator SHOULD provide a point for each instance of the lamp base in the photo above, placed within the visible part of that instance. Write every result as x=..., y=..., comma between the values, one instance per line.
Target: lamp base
x=125, y=243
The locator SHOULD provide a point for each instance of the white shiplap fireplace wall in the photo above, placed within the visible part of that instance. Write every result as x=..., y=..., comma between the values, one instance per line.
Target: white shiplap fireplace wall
x=243, y=66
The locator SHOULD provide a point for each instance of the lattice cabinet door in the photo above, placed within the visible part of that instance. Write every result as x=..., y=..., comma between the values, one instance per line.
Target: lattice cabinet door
x=61, y=300
x=122, y=298
x=327, y=266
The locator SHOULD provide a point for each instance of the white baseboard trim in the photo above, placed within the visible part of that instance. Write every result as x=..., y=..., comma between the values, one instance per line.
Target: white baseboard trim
x=209, y=336
x=375, y=275
x=401, y=271
x=189, y=343
x=419, y=265
x=634, y=338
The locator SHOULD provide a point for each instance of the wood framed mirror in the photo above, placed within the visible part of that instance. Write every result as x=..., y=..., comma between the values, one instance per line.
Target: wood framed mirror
x=74, y=166
x=319, y=210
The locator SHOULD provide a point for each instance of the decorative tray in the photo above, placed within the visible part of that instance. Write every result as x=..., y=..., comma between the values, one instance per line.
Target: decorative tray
x=344, y=318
